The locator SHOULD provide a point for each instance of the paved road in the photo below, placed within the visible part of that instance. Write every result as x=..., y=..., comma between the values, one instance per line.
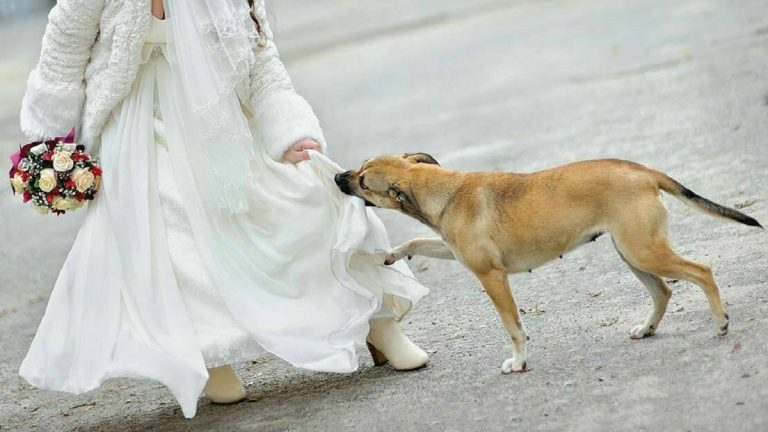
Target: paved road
x=680, y=86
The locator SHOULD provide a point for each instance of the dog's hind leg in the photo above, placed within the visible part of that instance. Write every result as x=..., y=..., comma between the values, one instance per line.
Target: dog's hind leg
x=431, y=247
x=670, y=265
x=643, y=242
x=497, y=287
x=660, y=293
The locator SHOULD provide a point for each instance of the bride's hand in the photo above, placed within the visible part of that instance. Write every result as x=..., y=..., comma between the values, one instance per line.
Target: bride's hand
x=298, y=152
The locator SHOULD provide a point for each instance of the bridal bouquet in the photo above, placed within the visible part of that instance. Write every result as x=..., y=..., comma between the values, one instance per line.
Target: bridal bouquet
x=56, y=175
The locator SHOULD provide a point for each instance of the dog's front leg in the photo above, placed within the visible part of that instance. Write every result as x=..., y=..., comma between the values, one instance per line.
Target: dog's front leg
x=496, y=286
x=431, y=247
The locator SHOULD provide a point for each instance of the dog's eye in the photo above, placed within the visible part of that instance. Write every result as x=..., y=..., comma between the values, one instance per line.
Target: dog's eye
x=362, y=182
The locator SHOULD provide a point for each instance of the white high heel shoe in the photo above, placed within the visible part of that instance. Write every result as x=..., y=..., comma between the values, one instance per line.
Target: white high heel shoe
x=223, y=386
x=387, y=343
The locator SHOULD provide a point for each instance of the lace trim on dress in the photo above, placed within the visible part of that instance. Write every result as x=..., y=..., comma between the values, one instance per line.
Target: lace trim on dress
x=213, y=45
x=234, y=38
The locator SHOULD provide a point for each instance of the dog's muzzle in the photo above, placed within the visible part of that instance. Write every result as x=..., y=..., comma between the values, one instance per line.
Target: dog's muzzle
x=342, y=181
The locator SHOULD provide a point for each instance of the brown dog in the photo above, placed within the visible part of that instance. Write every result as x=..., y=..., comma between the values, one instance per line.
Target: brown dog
x=498, y=223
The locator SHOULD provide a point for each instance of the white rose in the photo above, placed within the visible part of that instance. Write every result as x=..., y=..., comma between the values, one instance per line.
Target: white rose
x=74, y=204
x=23, y=165
x=60, y=203
x=83, y=179
x=41, y=209
x=18, y=184
x=62, y=161
x=47, y=180
x=69, y=148
x=39, y=149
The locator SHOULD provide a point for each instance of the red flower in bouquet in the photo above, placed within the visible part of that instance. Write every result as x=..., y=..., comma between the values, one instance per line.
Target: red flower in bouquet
x=55, y=175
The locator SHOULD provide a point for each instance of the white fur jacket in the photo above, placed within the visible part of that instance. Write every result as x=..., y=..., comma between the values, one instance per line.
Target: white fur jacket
x=90, y=57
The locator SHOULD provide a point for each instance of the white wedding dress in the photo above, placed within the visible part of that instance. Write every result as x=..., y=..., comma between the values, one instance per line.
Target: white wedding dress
x=150, y=289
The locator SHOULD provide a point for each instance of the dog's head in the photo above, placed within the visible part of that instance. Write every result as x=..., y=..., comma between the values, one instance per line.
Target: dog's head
x=383, y=181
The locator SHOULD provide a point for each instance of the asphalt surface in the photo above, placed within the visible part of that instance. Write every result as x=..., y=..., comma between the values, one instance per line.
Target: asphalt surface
x=679, y=86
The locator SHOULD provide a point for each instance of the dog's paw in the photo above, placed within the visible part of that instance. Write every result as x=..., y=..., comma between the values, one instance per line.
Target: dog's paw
x=391, y=258
x=722, y=326
x=513, y=365
x=642, y=331
x=395, y=255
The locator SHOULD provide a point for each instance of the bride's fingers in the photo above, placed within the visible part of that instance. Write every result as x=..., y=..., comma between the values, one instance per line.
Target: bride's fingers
x=311, y=145
x=299, y=154
x=306, y=144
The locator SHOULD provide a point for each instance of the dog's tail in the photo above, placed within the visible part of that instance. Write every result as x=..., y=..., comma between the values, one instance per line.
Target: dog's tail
x=673, y=187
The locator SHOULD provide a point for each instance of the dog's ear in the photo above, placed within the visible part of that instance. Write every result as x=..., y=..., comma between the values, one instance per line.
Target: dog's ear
x=420, y=158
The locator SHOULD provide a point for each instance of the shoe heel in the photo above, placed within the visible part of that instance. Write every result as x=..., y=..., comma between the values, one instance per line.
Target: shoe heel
x=379, y=359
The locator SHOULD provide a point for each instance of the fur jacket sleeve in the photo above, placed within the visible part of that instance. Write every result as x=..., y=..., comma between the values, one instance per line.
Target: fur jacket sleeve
x=53, y=102
x=282, y=116
x=102, y=39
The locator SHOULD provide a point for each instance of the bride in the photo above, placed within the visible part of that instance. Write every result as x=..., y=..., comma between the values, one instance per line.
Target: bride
x=218, y=234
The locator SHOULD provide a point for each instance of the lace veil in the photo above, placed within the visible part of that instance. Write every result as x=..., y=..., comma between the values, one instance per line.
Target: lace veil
x=211, y=46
